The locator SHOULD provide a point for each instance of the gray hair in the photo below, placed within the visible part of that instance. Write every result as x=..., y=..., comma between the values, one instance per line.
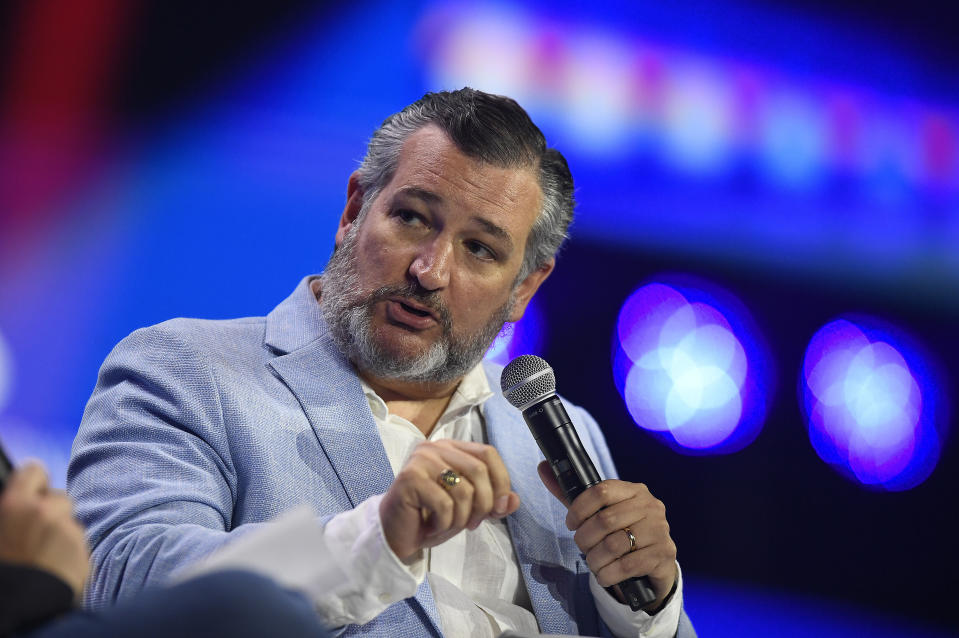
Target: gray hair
x=496, y=130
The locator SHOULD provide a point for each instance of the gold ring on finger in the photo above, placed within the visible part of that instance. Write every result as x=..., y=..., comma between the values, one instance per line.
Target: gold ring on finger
x=448, y=479
x=632, y=540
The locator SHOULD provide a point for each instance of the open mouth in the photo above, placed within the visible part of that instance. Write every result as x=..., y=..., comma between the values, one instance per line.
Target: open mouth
x=413, y=315
x=415, y=311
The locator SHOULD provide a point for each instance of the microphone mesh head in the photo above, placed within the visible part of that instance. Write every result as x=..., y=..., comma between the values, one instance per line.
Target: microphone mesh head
x=527, y=379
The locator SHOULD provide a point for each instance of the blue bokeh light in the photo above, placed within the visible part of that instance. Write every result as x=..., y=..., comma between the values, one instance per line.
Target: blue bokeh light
x=526, y=336
x=691, y=373
x=872, y=405
x=794, y=140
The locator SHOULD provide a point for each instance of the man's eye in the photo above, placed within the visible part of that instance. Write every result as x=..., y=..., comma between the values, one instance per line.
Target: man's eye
x=408, y=216
x=480, y=250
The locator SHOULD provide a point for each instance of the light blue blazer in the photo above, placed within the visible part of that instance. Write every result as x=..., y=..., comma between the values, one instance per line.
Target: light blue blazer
x=198, y=431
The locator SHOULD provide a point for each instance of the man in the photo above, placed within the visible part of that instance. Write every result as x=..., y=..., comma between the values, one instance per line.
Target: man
x=363, y=394
x=44, y=562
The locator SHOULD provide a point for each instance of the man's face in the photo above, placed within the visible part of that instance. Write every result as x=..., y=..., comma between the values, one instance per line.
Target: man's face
x=421, y=286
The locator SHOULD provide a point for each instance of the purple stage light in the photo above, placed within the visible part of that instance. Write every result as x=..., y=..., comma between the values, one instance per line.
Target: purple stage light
x=688, y=371
x=871, y=405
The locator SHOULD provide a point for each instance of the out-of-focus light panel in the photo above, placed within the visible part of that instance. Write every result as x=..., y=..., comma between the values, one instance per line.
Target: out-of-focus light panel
x=871, y=405
x=606, y=87
x=688, y=370
x=698, y=120
x=794, y=144
x=523, y=337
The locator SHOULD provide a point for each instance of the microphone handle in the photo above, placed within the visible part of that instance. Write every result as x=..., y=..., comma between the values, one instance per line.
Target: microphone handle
x=575, y=473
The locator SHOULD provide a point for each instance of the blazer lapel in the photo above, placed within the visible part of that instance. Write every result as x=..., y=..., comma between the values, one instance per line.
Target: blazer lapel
x=333, y=400
x=330, y=394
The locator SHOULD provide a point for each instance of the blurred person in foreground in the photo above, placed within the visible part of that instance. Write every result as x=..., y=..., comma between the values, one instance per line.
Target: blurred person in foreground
x=44, y=562
x=365, y=395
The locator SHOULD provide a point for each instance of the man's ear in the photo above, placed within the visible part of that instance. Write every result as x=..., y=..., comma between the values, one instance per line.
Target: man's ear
x=354, y=203
x=527, y=287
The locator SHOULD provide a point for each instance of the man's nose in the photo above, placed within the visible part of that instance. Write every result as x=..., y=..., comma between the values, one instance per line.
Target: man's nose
x=431, y=267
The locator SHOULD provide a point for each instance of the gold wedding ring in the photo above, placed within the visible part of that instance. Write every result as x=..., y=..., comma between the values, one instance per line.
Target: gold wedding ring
x=449, y=479
x=632, y=540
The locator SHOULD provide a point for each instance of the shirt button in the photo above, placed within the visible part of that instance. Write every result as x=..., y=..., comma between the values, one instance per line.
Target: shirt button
x=384, y=598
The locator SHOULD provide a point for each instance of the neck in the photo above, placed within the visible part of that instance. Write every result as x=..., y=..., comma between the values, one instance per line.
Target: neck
x=422, y=404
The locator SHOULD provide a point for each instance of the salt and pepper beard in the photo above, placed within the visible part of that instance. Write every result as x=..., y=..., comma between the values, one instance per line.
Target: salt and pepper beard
x=348, y=311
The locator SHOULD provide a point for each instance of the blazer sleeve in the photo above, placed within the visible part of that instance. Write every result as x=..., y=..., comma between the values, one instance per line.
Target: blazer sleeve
x=151, y=471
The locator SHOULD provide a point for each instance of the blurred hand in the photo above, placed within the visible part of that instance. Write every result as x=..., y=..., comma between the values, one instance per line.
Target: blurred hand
x=418, y=512
x=599, y=517
x=37, y=528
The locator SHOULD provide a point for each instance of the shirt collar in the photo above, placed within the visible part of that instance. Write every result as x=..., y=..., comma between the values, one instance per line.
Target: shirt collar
x=473, y=391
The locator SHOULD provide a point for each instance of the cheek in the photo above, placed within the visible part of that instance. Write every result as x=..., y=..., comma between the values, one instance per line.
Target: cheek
x=378, y=260
x=478, y=303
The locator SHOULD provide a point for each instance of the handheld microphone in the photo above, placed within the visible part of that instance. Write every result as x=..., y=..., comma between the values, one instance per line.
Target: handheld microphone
x=529, y=385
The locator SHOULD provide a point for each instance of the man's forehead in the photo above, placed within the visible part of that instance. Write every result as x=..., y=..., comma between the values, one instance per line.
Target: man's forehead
x=431, y=164
x=428, y=147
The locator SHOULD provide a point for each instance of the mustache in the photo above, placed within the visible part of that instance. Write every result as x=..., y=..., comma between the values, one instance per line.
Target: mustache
x=415, y=292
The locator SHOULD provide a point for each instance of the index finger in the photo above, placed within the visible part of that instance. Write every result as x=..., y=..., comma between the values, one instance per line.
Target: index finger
x=498, y=474
x=596, y=498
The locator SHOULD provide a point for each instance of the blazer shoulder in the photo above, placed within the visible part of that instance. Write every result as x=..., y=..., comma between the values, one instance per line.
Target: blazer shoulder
x=205, y=335
x=180, y=345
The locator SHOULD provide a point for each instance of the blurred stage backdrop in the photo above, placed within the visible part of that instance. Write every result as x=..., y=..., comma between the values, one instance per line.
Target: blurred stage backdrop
x=759, y=303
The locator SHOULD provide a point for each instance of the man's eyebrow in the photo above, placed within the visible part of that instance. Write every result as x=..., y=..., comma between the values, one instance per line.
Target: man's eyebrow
x=430, y=197
x=497, y=231
x=420, y=193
